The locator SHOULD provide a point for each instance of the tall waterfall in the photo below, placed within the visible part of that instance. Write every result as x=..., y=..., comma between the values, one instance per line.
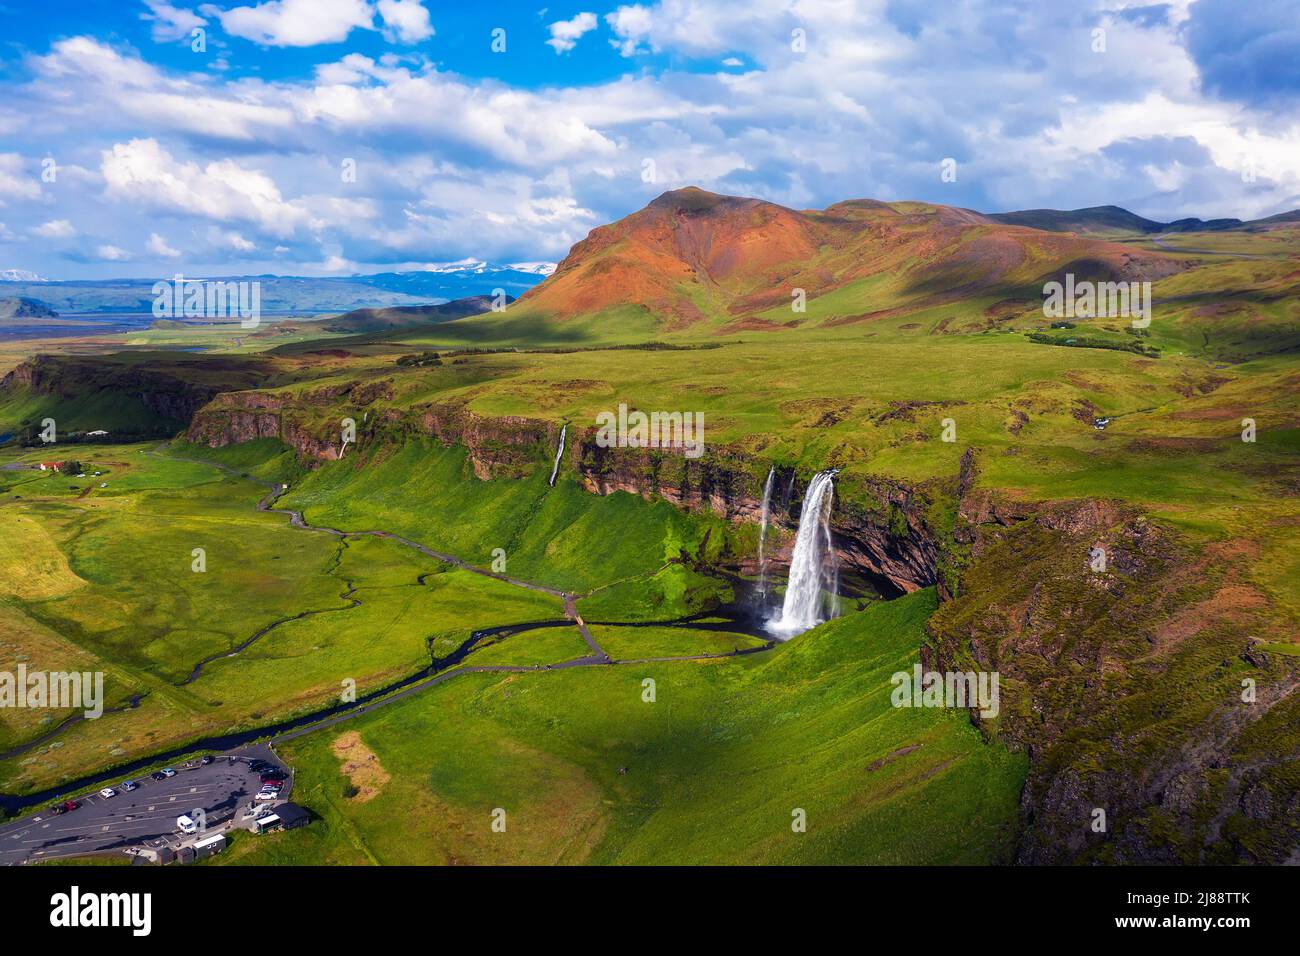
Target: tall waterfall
x=762, y=537
x=555, y=470
x=812, y=567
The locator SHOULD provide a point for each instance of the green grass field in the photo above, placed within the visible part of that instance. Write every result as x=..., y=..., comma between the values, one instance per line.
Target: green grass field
x=710, y=772
x=106, y=581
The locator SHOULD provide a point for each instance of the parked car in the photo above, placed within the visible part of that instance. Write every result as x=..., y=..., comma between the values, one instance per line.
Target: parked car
x=186, y=824
x=108, y=793
x=267, y=794
x=129, y=785
x=257, y=766
x=58, y=810
x=168, y=772
x=70, y=805
x=274, y=776
x=158, y=775
x=207, y=759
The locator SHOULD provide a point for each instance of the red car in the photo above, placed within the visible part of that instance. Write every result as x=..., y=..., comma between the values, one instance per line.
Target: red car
x=276, y=778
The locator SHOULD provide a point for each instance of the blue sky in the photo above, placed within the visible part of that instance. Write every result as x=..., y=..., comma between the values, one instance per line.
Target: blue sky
x=340, y=136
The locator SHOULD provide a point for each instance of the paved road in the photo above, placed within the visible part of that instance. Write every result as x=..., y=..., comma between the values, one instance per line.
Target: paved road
x=571, y=611
x=145, y=816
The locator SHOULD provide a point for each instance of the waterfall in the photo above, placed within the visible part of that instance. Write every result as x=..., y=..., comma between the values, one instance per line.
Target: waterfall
x=762, y=537
x=812, y=567
x=555, y=470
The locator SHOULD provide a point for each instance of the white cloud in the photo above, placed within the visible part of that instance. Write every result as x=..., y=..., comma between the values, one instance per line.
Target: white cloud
x=170, y=23
x=111, y=253
x=451, y=164
x=405, y=21
x=631, y=24
x=1166, y=179
x=13, y=178
x=84, y=80
x=566, y=33
x=230, y=239
x=55, y=229
x=143, y=172
x=158, y=246
x=295, y=22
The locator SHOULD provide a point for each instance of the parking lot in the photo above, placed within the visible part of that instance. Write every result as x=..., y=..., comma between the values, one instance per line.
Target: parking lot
x=145, y=816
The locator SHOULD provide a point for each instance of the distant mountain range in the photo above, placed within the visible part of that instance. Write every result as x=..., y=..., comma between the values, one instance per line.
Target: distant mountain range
x=409, y=316
x=1109, y=219
x=291, y=294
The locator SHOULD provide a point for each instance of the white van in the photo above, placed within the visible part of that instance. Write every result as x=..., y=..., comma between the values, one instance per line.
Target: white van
x=186, y=825
x=268, y=821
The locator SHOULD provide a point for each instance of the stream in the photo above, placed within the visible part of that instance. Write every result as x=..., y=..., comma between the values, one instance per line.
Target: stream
x=737, y=617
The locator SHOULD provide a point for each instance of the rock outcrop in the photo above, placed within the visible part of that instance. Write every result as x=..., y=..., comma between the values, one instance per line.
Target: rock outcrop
x=1122, y=651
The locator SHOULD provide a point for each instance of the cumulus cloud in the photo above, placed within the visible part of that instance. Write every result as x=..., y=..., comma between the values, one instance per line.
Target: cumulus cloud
x=170, y=23
x=449, y=165
x=111, y=253
x=295, y=22
x=14, y=180
x=405, y=21
x=631, y=25
x=158, y=246
x=141, y=171
x=566, y=33
x=107, y=85
x=303, y=23
x=230, y=239
x=55, y=229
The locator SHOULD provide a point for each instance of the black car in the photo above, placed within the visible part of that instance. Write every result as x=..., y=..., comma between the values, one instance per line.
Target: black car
x=158, y=775
x=58, y=810
x=206, y=760
x=257, y=766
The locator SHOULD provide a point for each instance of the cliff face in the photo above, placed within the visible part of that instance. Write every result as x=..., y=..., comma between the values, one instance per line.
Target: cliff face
x=879, y=529
x=1122, y=652
x=171, y=390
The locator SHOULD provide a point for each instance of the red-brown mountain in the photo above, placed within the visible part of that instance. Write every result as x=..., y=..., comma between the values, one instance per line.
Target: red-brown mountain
x=692, y=257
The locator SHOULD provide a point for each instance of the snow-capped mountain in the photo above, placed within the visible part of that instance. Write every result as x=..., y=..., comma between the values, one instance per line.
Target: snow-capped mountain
x=20, y=275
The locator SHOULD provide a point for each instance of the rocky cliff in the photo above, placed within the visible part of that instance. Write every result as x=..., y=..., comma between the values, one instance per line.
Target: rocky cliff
x=1125, y=656
x=880, y=528
x=170, y=390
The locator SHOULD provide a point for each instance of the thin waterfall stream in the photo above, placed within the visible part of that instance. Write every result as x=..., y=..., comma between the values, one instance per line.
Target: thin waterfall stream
x=559, y=453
